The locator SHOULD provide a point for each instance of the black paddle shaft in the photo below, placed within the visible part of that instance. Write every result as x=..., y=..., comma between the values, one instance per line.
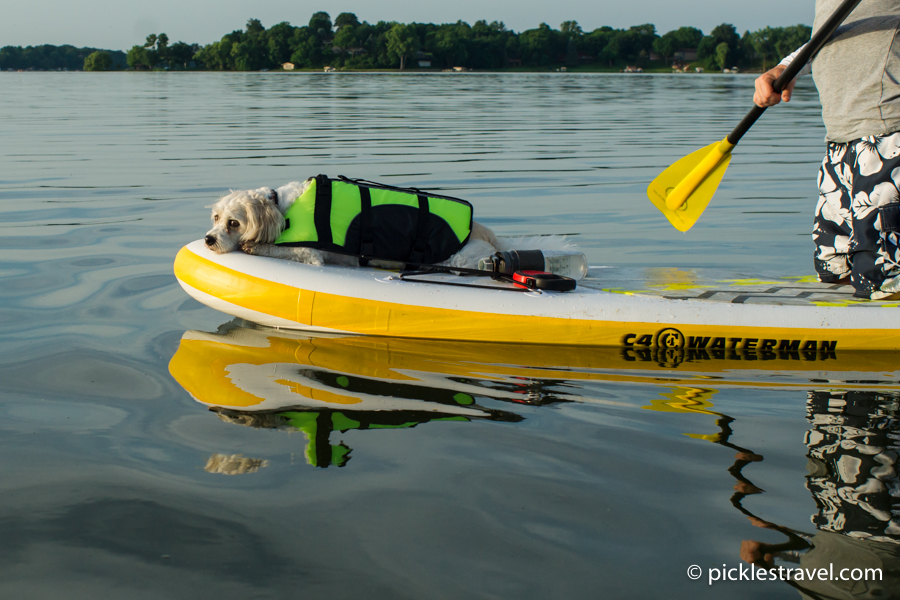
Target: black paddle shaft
x=811, y=49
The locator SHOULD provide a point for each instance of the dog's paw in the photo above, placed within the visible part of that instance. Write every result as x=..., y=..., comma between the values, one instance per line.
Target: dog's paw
x=250, y=247
x=309, y=256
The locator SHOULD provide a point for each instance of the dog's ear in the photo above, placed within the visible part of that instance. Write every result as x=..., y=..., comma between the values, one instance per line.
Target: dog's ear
x=264, y=221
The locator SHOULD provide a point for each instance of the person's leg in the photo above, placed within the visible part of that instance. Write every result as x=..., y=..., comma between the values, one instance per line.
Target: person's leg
x=873, y=249
x=832, y=224
x=889, y=223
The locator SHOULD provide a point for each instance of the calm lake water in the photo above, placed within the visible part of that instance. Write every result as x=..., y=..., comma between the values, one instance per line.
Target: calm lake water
x=445, y=470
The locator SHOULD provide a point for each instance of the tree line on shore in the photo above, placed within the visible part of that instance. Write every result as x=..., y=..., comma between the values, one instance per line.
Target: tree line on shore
x=53, y=58
x=346, y=42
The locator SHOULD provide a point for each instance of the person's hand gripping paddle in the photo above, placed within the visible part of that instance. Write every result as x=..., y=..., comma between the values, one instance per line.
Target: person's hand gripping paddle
x=683, y=191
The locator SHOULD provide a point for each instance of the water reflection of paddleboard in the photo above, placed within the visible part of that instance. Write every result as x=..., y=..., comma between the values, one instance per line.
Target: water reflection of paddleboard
x=650, y=308
x=252, y=368
x=322, y=383
x=312, y=385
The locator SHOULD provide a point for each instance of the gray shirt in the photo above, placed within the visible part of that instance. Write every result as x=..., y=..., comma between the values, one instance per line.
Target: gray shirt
x=858, y=71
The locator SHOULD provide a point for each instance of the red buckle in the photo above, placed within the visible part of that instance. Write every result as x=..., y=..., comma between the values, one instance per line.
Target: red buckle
x=542, y=280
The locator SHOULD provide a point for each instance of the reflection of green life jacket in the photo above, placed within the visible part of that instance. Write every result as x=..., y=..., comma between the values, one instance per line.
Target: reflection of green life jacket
x=377, y=221
x=318, y=426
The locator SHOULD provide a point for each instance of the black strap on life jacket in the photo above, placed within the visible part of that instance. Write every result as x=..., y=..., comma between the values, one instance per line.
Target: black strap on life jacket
x=421, y=242
x=322, y=214
x=384, y=186
x=366, y=237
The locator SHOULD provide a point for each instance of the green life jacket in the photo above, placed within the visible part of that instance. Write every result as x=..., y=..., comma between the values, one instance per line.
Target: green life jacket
x=373, y=220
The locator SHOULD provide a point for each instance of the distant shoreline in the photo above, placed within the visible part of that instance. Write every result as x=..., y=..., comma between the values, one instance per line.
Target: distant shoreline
x=518, y=71
x=348, y=44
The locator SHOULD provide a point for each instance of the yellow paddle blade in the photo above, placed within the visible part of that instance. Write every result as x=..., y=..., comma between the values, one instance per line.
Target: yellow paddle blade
x=683, y=191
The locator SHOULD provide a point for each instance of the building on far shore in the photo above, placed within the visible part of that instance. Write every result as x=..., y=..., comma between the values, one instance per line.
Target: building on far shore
x=424, y=59
x=288, y=66
x=685, y=55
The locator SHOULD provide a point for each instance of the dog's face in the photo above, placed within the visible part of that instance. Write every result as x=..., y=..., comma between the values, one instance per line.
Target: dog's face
x=245, y=216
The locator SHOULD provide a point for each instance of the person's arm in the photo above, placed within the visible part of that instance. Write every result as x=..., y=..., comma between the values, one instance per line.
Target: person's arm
x=807, y=68
x=765, y=96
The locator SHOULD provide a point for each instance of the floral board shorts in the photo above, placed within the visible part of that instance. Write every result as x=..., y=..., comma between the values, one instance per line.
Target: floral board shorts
x=857, y=224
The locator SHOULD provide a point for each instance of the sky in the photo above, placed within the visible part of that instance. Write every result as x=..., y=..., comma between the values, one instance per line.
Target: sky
x=117, y=25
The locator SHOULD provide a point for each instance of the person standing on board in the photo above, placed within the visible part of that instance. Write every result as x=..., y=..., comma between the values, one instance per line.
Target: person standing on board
x=857, y=73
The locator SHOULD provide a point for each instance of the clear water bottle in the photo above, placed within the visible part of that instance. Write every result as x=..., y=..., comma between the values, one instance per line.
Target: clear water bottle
x=567, y=263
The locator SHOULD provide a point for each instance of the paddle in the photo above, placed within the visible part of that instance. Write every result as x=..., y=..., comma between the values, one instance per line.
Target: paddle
x=683, y=191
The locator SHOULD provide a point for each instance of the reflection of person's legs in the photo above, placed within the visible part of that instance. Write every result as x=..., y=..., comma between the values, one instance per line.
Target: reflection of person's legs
x=832, y=225
x=853, y=463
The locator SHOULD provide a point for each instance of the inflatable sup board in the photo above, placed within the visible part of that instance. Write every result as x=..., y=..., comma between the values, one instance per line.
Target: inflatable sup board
x=638, y=309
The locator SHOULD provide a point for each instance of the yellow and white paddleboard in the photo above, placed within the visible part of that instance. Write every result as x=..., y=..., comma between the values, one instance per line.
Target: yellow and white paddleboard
x=651, y=308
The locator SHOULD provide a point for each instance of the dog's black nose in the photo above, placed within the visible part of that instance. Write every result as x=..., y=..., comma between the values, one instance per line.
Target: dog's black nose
x=210, y=240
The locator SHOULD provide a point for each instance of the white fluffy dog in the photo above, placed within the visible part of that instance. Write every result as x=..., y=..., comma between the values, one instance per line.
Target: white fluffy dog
x=251, y=220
